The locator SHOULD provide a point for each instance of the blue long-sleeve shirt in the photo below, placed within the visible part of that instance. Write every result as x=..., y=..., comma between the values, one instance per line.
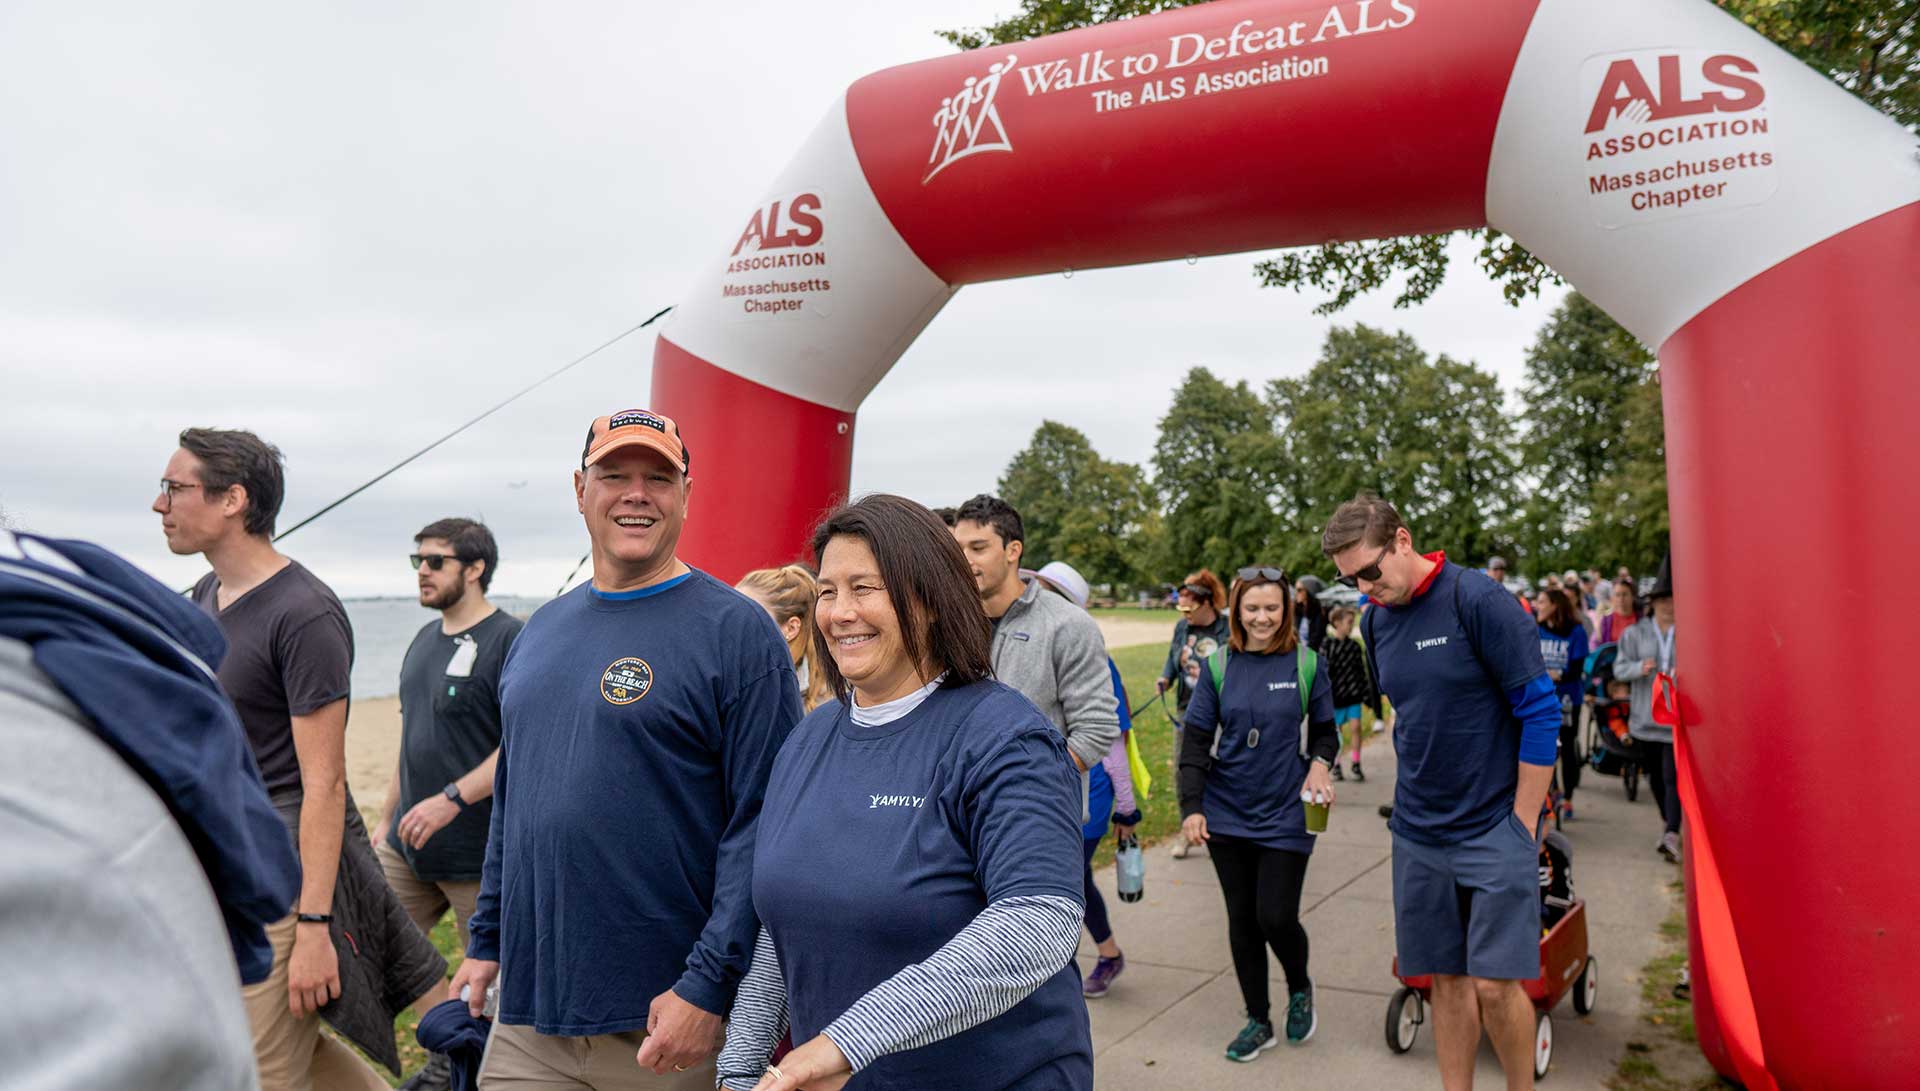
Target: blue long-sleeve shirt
x=637, y=733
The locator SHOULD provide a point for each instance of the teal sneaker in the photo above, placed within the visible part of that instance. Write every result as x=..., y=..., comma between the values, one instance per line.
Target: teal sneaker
x=1255, y=1038
x=1301, y=1019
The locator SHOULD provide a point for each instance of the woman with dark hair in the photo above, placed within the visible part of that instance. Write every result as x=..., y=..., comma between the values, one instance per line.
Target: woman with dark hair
x=1563, y=647
x=1200, y=632
x=1242, y=769
x=1311, y=614
x=915, y=873
x=1613, y=626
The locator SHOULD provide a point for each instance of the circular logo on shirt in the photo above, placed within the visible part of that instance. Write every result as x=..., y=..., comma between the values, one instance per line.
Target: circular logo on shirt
x=626, y=681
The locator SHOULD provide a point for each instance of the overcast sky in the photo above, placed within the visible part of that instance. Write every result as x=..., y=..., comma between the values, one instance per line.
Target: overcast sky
x=351, y=226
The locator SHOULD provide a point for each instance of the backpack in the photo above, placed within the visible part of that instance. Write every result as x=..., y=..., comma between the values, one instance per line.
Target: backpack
x=1306, y=664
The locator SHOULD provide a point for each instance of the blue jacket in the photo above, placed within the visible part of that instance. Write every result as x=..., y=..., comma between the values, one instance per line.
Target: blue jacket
x=139, y=660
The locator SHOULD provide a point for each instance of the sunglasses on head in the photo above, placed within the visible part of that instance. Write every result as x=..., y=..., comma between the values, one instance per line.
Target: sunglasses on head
x=1369, y=573
x=1198, y=591
x=1260, y=572
x=433, y=561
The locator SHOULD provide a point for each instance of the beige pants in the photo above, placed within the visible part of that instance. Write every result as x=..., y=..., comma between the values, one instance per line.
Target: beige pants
x=522, y=1059
x=292, y=1053
x=426, y=899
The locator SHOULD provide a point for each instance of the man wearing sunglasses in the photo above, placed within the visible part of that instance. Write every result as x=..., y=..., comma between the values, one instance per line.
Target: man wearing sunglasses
x=1476, y=733
x=432, y=837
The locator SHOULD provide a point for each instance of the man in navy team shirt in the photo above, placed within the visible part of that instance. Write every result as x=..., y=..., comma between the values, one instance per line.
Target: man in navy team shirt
x=1475, y=737
x=640, y=715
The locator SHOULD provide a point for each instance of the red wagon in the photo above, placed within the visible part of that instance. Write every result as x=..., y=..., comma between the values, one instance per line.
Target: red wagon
x=1565, y=966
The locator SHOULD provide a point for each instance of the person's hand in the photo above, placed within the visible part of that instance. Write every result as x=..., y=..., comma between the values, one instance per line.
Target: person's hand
x=1530, y=821
x=679, y=1035
x=476, y=976
x=428, y=817
x=1121, y=833
x=1647, y=665
x=1320, y=782
x=818, y=1065
x=1555, y=675
x=313, y=972
x=1160, y=685
x=1195, y=829
x=381, y=831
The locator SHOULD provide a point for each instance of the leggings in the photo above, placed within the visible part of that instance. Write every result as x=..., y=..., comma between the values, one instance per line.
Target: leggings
x=1262, y=888
x=1570, y=752
x=1664, y=779
x=1097, y=925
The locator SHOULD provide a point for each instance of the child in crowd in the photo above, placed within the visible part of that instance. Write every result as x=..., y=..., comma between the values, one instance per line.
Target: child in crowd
x=1352, y=684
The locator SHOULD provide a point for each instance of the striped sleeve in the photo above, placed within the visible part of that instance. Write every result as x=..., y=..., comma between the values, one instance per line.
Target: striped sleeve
x=758, y=1019
x=995, y=962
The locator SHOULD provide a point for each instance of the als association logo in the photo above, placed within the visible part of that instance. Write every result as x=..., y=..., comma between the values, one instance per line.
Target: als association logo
x=1724, y=84
x=968, y=122
x=785, y=223
x=626, y=681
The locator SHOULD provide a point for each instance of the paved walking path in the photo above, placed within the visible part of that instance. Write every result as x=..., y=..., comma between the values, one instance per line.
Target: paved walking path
x=1168, y=1019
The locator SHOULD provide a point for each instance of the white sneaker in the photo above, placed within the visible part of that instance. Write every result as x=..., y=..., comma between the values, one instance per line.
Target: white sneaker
x=1670, y=846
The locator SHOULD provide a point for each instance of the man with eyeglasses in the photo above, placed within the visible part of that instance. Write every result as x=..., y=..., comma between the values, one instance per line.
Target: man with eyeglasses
x=432, y=837
x=1476, y=734
x=288, y=668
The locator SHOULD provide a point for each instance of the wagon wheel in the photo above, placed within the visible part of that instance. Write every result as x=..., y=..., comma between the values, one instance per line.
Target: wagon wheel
x=1631, y=776
x=1405, y=1013
x=1586, y=988
x=1542, y=1045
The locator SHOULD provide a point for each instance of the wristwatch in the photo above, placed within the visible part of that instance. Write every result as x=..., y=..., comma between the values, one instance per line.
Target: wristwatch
x=452, y=791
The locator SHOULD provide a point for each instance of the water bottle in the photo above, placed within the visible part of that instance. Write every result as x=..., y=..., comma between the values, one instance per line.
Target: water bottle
x=1130, y=867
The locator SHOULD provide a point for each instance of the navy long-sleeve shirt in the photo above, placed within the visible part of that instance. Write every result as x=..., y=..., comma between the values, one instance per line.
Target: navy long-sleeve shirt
x=637, y=733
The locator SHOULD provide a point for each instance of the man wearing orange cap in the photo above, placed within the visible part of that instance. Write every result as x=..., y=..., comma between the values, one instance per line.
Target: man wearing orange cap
x=640, y=715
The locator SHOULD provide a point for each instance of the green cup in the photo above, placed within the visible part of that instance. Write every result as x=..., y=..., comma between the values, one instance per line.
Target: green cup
x=1316, y=813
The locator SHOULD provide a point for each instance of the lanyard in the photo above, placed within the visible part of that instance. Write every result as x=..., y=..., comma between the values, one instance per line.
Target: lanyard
x=1666, y=647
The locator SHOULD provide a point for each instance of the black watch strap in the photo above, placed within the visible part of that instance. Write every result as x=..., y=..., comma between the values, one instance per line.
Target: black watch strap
x=314, y=918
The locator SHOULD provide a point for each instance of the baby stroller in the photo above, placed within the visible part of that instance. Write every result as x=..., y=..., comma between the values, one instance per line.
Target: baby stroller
x=1611, y=751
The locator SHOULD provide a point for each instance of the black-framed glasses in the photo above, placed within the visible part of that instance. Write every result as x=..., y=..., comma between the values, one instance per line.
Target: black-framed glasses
x=173, y=488
x=433, y=561
x=1260, y=572
x=1369, y=573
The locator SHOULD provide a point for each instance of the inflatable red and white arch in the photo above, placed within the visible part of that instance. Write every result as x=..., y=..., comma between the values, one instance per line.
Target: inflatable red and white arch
x=1725, y=203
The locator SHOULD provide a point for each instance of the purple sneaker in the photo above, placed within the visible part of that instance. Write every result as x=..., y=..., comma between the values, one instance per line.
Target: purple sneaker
x=1101, y=979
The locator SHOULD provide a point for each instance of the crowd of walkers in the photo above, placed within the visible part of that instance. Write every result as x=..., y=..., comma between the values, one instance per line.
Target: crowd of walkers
x=815, y=830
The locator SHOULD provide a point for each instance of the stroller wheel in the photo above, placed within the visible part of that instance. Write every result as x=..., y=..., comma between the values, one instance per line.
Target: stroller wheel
x=1405, y=1013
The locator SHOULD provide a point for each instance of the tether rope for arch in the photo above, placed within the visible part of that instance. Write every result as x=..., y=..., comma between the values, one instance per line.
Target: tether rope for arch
x=516, y=396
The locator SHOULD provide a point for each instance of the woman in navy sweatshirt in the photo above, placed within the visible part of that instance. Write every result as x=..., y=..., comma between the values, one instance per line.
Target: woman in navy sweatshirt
x=1242, y=767
x=1563, y=648
x=917, y=875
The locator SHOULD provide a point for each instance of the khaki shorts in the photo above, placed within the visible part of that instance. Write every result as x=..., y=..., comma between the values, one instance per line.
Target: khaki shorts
x=292, y=1053
x=426, y=899
x=522, y=1059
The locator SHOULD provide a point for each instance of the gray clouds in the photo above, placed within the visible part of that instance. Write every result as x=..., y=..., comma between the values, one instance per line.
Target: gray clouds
x=350, y=227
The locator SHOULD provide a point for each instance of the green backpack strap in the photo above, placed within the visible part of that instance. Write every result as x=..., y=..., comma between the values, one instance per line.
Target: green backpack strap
x=1306, y=665
x=1217, y=666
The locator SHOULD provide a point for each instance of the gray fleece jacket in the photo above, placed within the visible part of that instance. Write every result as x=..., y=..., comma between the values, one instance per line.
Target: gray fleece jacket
x=1641, y=643
x=117, y=968
x=1052, y=652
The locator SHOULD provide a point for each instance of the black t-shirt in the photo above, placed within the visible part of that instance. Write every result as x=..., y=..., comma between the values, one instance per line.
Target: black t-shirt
x=289, y=653
x=449, y=723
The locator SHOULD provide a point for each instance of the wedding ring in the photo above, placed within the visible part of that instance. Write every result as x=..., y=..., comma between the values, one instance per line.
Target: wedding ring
x=679, y=1068
x=774, y=1071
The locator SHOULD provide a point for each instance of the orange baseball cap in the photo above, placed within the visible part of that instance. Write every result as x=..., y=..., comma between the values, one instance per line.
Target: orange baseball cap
x=635, y=428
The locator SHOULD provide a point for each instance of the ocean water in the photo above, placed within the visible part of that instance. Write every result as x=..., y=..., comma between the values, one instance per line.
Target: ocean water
x=383, y=628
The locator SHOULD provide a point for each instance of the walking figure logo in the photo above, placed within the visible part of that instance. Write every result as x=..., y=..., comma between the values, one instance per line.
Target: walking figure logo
x=968, y=122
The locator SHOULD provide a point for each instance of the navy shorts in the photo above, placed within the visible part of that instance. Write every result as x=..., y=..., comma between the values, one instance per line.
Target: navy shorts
x=1471, y=908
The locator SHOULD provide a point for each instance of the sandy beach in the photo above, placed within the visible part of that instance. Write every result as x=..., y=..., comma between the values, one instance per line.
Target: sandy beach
x=373, y=723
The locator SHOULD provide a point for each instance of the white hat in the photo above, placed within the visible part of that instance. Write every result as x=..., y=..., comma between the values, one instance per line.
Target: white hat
x=1071, y=583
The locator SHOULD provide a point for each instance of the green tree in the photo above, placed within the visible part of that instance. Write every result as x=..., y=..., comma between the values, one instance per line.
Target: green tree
x=1630, y=502
x=1866, y=46
x=1375, y=413
x=1581, y=374
x=1215, y=469
x=1077, y=507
